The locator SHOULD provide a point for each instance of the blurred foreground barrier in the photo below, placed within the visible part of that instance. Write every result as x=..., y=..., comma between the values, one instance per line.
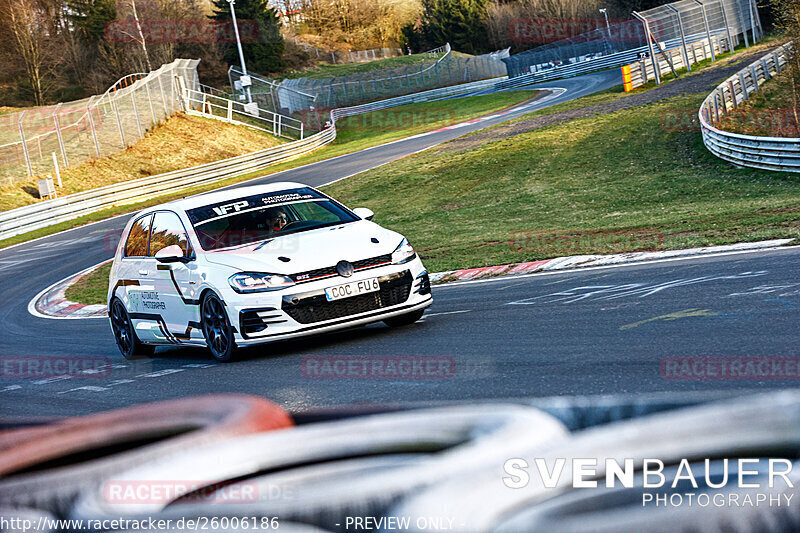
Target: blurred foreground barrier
x=323, y=473
x=47, y=466
x=766, y=425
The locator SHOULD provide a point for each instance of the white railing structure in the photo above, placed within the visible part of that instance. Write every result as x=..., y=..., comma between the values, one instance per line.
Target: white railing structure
x=204, y=104
x=768, y=153
x=92, y=127
x=49, y=212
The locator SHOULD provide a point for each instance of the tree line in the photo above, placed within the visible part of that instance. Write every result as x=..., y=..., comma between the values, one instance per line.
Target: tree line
x=60, y=50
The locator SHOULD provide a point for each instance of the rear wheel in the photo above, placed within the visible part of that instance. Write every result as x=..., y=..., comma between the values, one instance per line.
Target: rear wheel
x=404, y=320
x=124, y=334
x=217, y=329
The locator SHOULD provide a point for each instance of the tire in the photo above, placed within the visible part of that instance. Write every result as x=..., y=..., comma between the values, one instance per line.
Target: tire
x=217, y=329
x=404, y=320
x=305, y=460
x=125, y=335
x=46, y=467
x=753, y=426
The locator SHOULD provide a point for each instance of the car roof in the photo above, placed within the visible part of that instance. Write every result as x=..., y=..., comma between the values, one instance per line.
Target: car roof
x=227, y=194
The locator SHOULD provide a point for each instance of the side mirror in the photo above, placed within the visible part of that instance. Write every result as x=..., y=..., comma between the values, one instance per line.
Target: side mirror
x=364, y=213
x=171, y=254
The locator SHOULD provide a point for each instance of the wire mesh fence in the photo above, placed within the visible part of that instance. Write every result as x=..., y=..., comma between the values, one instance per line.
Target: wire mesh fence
x=349, y=56
x=93, y=127
x=722, y=23
x=441, y=68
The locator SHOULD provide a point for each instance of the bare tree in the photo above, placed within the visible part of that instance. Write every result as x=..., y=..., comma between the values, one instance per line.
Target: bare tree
x=25, y=23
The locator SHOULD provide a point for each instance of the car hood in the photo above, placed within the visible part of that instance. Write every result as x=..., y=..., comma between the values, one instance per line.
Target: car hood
x=310, y=250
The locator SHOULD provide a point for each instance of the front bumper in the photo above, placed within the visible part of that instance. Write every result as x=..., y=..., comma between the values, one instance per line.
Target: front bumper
x=304, y=310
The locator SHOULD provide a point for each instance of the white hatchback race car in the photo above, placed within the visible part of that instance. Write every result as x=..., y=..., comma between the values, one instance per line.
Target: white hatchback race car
x=258, y=264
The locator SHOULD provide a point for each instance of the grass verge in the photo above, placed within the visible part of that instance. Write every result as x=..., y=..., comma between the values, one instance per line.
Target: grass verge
x=179, y=142
x=324, y=70
x=90, y=289
x=769, y=111
x=612, y=183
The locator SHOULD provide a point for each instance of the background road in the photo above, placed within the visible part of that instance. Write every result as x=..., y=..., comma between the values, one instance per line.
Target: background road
x=595, y=331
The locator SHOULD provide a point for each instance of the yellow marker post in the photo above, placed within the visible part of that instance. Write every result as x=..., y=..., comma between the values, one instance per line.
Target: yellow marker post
x=627, y=84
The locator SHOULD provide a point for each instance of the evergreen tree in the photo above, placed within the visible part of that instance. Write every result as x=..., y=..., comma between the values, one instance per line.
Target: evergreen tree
x=462, y=23
x=91, y=17
x=263, y=48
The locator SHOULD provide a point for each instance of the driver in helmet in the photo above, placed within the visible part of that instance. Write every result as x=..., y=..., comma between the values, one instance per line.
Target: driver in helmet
x=278, y=220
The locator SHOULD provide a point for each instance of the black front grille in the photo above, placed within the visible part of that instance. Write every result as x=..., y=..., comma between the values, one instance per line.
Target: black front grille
x=257, y=320
x=363, y=264
x=315, y=307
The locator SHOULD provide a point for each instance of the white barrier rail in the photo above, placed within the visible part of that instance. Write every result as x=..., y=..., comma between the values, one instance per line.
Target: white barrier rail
x=768, y=153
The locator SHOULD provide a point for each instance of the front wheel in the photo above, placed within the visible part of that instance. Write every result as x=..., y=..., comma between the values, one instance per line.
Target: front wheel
x=217, y=329
x=404, y=320
x=124, y=334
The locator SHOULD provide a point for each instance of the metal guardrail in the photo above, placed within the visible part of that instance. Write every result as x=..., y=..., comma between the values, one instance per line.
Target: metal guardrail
x=768, y=153
x=49, y=212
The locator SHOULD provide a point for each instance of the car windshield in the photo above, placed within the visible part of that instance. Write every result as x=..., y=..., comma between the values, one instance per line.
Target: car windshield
x=258, y=217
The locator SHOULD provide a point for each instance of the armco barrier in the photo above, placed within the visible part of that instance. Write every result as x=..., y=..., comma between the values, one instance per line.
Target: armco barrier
x=769, y=153
x=49, y=212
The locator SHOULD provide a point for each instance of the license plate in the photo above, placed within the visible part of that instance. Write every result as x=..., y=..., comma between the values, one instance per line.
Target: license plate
x=354, y=288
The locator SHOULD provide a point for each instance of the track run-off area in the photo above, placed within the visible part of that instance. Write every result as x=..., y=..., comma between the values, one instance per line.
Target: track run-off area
x=590, y=331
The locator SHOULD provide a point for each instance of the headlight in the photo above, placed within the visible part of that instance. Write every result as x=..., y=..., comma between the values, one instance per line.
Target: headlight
x=245, y=282
x=403, y=253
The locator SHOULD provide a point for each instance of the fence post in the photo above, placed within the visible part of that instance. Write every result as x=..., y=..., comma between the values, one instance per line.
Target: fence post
x=119, y=123
x=280, y=128
x=733, y=93
x=150, y=100
x=708, y=31
x=649, y=37
x=745, y=95
x=301, y=130
x=754, y=75
x=744, y=30
x=136, y=112
x=230, y=110
x=683, y=36
x=727, y=26
x=60, y=138
x=777, y=62
x=24, y=144
x=163, y=97
x=91, y=125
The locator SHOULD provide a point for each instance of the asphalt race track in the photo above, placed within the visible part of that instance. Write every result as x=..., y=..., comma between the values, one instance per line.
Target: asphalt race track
x=605, y=330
